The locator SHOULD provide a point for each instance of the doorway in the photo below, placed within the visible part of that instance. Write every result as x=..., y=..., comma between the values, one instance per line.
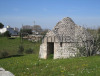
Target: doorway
x=50, y=49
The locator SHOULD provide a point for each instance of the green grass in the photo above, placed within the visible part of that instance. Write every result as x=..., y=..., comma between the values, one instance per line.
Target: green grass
x=12, y=45
x=30, y=65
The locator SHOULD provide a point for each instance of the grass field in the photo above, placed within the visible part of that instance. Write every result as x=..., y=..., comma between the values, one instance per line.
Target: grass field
x=31, y=65
x=12, y=45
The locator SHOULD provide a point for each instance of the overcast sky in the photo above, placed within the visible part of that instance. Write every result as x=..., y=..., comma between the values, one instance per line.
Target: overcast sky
x=48, y=12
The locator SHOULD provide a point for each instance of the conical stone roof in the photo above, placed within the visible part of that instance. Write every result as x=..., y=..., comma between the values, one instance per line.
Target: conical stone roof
x=65, y=27
x=67, y=30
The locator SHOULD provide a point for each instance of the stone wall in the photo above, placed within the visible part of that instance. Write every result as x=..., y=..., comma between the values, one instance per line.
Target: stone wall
x=67, y=50
x=43, y=51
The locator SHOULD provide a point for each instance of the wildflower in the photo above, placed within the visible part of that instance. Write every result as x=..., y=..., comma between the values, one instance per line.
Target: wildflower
x=88, y=71
x=62, y=71
x=27, y=68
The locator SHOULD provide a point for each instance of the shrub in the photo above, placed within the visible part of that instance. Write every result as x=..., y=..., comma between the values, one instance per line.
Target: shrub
x=29, y=51
x=21, y=49
x=82, y=51
x=7, y=34
x=4, y=54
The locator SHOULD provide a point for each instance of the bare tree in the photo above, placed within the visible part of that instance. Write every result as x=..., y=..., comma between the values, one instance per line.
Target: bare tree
x=37, y=28
x=26, y=27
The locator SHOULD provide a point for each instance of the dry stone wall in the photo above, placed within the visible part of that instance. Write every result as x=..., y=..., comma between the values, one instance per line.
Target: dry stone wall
x=65, y=36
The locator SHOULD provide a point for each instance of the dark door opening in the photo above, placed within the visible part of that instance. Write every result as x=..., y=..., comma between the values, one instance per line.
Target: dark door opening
x=50, y=49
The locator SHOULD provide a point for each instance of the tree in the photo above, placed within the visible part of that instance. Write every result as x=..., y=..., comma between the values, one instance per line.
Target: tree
x=90, y=48
x=99, y=30
x=26, y=27
x=1, y=25
x=29, y=31
x=44, y=31
x=37, y=28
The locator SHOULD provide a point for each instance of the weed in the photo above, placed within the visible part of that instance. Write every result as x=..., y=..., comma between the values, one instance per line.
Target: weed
x=29, y=51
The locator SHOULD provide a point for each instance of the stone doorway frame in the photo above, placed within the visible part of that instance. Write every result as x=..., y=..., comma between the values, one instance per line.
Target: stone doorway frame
x=50, y=49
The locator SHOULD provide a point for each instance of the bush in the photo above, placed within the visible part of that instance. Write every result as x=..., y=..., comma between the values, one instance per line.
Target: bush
x=82, y=51
x=21, y=49
x=7, y=34
x=29, y=51
x=4, y=54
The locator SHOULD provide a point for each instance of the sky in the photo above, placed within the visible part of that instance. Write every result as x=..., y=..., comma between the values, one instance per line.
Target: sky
x=47, y=13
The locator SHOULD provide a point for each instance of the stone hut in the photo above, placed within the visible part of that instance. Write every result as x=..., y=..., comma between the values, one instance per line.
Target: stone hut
x=63, y=39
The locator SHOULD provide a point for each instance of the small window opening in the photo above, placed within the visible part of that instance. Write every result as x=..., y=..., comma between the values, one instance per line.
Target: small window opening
x=60, y=44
